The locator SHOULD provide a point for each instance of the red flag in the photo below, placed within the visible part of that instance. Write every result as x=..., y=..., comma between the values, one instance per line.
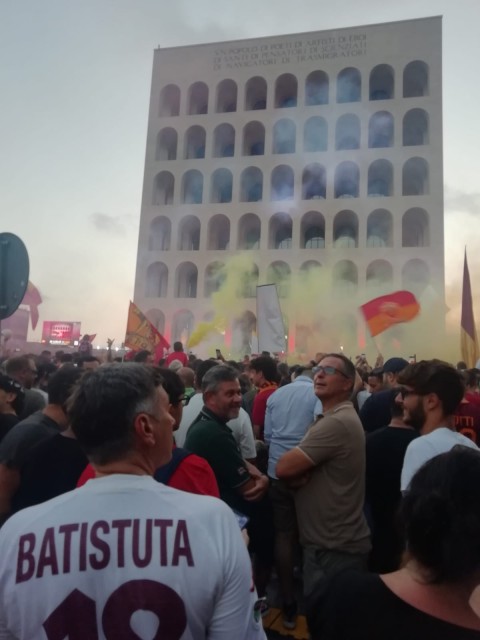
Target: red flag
x=141, y=334
x=385, y=311
x=468, y=332
x=32, y=298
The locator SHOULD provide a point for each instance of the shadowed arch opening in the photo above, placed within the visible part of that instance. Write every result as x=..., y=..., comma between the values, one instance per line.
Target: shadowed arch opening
x=284, y=136
x=314, y=182
x=382, y=82
x=224, y=141
x=316, y=88
x=251, y=185
x=192, y=187
x=256, y=94
x=415, y=128
x=349, y=85
x=315, y=134
x=280, y=231
x=286, y=91
x=249, y=228
x=347, y=180
x=186, y=277
x=156, y=284
x=282, y=182
x=221, y=186
x=380, y=229
x=380, y=130
x=189, y=234
x=312, y=231
x=415, y=177
x=169, y=101
x=197, y=99
x=218, y=233
x=166, y=144
x=163, y=188
x=159, y=236
x=226, y=101
x=415, y=228
x=345, y=230
x=415, y=79
x=253, y=139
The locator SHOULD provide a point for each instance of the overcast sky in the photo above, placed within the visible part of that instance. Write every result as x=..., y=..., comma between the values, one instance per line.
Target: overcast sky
x=75, y=84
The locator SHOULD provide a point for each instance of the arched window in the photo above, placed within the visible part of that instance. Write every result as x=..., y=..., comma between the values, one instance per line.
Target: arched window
x=218, y=233
x=382, y=82
x=349, y=85
x=345, y=230
x=379, y=273
x=157, y=318
x=347, y=132
x=186, y=277
x=286, y=91
x=166, y=144
x=415, y=79
x=248, y=282
x=280, y=234
x=243, y=329
x=415, y=128
x=256, y=94
x=221, y=186
x=415, y=276
x=380, y=179
x=315, y=134
x=249, y=228
x=279, y=273
x=282, y=183
x=182, y=326
x=189, y=234
x=224, y=141
x=415, y=178
x=345, y=278
x=156, y=281
x=195, y=143
x=214, y=278
x=197, y=99
x=284, y=135
x=316, y=88
x=169, y=101
x=380, y=130
x=254, y=139
x=192, y=187
x=163, y=188
x=415, y=228
x=314, y=182
x=159, y=236
x=347, y=180
x=251, y=185
x=312, y=231
x=310, y=267
x=380, y=229
x=226, y=97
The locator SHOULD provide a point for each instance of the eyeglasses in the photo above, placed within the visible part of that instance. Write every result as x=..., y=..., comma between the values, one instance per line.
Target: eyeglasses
x=329, y=371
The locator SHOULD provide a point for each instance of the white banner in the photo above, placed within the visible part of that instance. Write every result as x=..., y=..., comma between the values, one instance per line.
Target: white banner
x=270, y=328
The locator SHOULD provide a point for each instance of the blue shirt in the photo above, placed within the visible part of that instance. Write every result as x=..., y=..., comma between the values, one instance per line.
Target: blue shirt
x=290, y=411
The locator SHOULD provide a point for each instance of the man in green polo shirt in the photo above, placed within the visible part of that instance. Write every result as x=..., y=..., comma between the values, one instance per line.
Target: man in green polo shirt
x=241, y=485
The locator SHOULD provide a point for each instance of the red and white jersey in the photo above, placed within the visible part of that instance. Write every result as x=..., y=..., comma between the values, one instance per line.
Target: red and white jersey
x=126, y=557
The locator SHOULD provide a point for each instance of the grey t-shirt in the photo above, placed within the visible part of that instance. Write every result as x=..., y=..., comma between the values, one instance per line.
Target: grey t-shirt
x=18, y=442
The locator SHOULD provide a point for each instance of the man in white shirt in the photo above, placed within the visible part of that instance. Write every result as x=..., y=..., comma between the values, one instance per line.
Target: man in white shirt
x=125, y=556
x=432, y=391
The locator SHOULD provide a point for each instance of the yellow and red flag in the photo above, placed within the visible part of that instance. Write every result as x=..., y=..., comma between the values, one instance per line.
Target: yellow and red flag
x=32, y=298
x=468, y=332
x=384, y=312
x=141, y=334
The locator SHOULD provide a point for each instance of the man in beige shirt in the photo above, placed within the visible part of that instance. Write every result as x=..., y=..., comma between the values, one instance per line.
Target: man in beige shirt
x=328, y=470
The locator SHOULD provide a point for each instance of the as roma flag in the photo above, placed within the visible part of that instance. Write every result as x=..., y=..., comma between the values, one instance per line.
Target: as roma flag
x=385, y=311
x=32, y=298
x=141, y=334
x=468, y=332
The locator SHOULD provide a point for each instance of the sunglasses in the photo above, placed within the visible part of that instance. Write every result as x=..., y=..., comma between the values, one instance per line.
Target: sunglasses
x=329, y=371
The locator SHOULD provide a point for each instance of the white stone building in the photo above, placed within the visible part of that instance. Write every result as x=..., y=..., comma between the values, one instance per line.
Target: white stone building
x=320, y=148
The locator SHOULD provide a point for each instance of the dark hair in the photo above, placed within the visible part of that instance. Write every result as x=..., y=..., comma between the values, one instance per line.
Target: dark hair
x=177, y=346
x=396, y=409
x=348, y=367
x=470, y=377
x=66, y=358
x=61, y=383
x=173, y=385
x=142, y=356
x=83, y=359
x=202, y=369
x=435, y=376
x=441, y=515
x=17, y=365
x=267, y=366
x=461, y=365
x=216, y=375
x=104, y=404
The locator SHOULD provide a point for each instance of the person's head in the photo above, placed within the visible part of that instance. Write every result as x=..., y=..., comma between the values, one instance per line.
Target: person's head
x=263, y=370
x=201, y=370
x=471, y=379
x=66, y=358
x=45, y=370
x=391, y=370
x=177, y=346
x=143, y=356
x=11, y=395
x=61, y=383
x=245, y=383
x=440, y=513
x=120, y=412
x=88, y=363
x=46, y=355
x=334, y=379
x=221, y=392
x=375, y=380
x=432, y=391
x=461, y=365
x=175, y=388
x=23, y=369
x=187, y=376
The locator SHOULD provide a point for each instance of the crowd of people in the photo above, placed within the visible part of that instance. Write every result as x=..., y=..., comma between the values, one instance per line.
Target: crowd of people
x=140, y=497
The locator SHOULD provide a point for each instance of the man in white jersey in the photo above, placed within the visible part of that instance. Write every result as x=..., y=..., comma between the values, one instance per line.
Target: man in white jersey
x=125, y=556
x=432, y=391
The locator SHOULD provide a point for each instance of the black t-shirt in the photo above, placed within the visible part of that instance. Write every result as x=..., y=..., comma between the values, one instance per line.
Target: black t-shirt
x=358, y=606
x=53, y=467
x=19, y=441
x=7, y=421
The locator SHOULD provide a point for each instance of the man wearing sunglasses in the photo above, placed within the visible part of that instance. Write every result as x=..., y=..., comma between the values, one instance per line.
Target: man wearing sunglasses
x=328, y=469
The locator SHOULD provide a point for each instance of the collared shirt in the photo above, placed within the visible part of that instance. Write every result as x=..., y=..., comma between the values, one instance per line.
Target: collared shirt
x=290, y=410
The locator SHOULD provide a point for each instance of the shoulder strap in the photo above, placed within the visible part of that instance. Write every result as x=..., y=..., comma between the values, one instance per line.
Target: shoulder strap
x=163, y=474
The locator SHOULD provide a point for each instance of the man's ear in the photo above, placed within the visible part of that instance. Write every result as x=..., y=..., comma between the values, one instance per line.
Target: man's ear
x=144, y=430
x=432, y=401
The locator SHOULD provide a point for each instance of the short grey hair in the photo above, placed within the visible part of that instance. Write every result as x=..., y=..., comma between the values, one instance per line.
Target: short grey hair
x=216, y=375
